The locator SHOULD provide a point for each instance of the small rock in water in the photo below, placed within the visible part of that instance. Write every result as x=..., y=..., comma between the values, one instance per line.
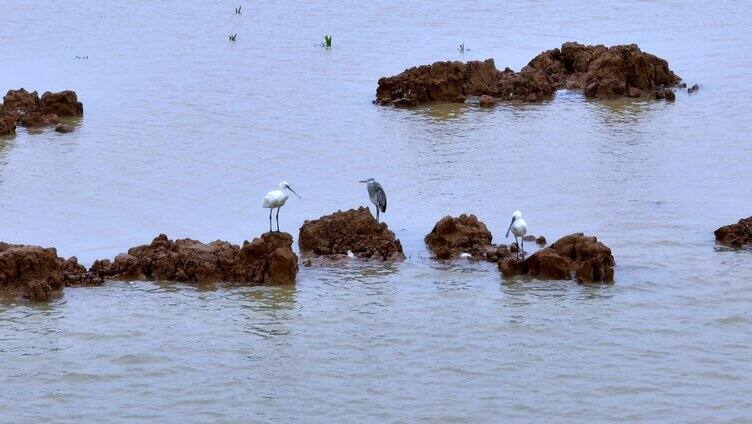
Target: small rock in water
x=693, y=88
x=487, y=101
x=529, y=237
x=64, y=128
x=540, y=240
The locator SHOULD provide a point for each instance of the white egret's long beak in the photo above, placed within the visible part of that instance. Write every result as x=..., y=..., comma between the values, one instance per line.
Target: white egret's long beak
x=510, y=226
x=290, y=188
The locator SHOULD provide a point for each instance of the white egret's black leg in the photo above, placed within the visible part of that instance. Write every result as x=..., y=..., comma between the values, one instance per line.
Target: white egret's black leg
x=518, y=246
x=522, y=249
x=277, y=219
x=270, y=219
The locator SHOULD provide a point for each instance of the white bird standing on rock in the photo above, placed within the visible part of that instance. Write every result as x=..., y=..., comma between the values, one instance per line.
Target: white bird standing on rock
x=377, y=195
x=518, y=227
x=277, y=199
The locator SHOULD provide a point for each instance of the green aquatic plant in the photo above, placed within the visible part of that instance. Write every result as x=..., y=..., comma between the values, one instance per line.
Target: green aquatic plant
x=327, y=41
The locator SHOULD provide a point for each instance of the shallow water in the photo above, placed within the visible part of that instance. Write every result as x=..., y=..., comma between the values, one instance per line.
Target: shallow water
x=184, y=132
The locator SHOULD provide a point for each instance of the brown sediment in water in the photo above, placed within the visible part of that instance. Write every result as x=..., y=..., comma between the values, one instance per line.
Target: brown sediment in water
x=355, y=230
x=37, y=274
x=586, y=257
x=600, y=72
x=24, y=108
x=268, y=259
x=735, y=235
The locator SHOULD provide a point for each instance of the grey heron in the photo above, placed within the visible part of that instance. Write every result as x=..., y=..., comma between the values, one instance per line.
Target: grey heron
x=377, y=195
x=277, y=199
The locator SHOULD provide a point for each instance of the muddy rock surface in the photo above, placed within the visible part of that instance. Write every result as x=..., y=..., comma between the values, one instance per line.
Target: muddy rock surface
x=37, y=274
x=64, y=128
x=735, y=235
x=27, y=109
x=452, y=236
x=355, y=230
x=268, y=259
x=585, y=257
x=599, y=71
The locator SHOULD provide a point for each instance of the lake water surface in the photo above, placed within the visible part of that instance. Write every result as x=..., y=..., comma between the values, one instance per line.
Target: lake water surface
x=184, y=132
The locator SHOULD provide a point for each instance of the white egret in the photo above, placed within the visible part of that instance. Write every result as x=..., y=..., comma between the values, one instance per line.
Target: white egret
x=377, y=195
x=518, y=227
x=277, y=199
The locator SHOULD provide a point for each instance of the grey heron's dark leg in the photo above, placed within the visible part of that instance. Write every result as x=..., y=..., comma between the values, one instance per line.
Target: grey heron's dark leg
x=277, y=219
x=270, y=219
x=377, y=214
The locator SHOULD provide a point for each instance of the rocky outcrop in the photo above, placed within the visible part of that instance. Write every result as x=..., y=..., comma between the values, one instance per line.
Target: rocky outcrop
x=451, y=237
x=27, y=109
x=355, y=230
x=37, y=274
x=7, y=123
x=585, y=257
x=64, y=103
x=599, y=71
x=735, y=235
x=268, y=259
x=36, y=119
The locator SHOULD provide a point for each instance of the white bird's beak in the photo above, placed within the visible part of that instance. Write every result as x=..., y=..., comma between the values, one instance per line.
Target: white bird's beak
x=510, y=226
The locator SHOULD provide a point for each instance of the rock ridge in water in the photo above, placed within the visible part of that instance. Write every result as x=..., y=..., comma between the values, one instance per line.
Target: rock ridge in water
x=735, y=235
x=599, y=71
x=586, y=257
x=355, y=231
x=21, y=107
x=268, y=259
x=37, y=274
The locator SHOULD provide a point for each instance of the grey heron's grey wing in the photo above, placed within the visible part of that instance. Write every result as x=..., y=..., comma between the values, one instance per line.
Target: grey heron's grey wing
x=380, y=199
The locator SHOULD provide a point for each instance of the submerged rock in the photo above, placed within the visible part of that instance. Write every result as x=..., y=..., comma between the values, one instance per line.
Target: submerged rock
x=268, y=259
x=735, y=235
x=37, y=274
x=693, y=89
x=586, y=257
x=64, y=128
x=599, y=71
x=540, y=240
x=355, y=230
x=487, y=101
x=465, y=234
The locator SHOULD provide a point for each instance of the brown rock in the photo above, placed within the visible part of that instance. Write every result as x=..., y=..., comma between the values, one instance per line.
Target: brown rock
x=265, y=260
x=486, y=101
x=36, y=119
x=601, y=72
x=665, y=93
x=355, y=230
x=586, y=257
x=452, y=236
x=37, y=274
x=540, y=240
x=64, y=103
x=735, y=235
x=529, y=237
x=64, y=128
x=693, y=88
x=21, y=100
x=7, y=123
